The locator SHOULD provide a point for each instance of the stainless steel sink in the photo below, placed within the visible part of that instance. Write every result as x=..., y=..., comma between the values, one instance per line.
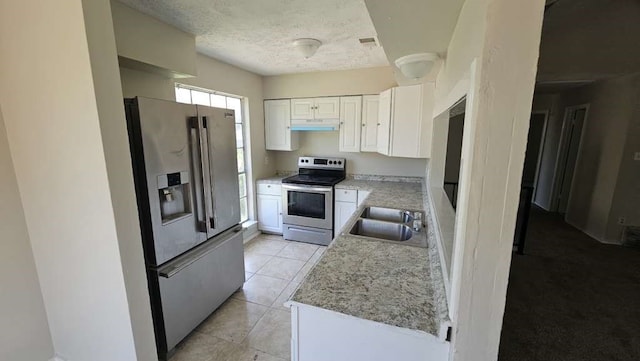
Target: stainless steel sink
x=384, y=230
x=387, y=214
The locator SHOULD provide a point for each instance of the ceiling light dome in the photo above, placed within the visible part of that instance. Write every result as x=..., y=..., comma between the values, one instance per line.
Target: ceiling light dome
x=307, y=47
x=416, y=66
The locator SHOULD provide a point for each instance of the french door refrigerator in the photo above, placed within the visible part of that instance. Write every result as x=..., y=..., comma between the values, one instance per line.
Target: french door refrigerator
x=186, y=179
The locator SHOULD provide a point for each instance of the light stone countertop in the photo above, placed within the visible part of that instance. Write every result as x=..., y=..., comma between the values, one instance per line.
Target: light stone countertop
x=390, y=283
x=276, y=179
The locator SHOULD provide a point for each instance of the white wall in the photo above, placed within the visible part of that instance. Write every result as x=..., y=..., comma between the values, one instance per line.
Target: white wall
x=142, y=83
x=627, y=195
x=25, y=333
x=148, y=43
x=492, y=58
x=113, y=128
x=51, y=117
x=613, y=105
x=329, y=83
x=335, y=83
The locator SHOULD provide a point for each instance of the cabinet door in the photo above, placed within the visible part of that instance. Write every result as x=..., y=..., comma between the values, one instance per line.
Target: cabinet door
x=343, y=211
x=362, y=195
x=370, y=112
x=406, y=119
x=277, y=125
x=327, y=108
x=350, y=120
x=302, y=108
x=384, y=121
x=269, y=213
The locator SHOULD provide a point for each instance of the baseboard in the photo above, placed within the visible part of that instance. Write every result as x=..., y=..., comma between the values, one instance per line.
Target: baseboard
x=591, y=235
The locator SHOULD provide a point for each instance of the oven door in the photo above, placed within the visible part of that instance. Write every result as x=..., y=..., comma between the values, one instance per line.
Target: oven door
x=306, y=205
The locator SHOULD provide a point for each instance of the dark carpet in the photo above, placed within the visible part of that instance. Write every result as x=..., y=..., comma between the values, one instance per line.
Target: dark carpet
x=571, y=297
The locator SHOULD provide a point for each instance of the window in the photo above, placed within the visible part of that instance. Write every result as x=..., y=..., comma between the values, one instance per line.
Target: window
x=191, y=95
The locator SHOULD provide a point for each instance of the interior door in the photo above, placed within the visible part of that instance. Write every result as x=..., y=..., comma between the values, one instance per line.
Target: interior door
x=223, y=167
x=572, y=137
x=533, y=154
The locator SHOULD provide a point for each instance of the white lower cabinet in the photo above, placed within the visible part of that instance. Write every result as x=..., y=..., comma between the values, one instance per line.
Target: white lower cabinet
x=269, y=203
x=318, y=334
x=362, y=195
x=342, y=212
x=347, y=202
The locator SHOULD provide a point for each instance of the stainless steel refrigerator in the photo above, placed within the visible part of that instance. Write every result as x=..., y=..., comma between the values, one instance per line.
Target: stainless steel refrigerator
x=186, y=179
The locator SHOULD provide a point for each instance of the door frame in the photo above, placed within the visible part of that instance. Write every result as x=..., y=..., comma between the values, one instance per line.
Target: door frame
x=562, y=150
x=543, y=139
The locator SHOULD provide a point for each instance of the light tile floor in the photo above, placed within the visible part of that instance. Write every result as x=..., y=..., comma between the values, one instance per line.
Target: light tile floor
x=254, y=325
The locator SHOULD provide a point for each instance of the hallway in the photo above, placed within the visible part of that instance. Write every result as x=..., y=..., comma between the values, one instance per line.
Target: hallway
x=570, y=297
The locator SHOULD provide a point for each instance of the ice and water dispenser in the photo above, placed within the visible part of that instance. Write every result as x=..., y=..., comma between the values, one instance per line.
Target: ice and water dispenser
x=174, y=195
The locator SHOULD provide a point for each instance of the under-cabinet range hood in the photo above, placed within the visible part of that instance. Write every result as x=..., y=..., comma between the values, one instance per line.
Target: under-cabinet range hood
x=315, y=125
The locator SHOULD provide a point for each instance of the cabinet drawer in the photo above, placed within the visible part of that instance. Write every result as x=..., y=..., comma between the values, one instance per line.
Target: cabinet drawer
x=346, y=195
x=270, y=189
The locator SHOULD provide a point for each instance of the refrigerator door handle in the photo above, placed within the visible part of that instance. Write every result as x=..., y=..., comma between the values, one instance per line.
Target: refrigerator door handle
x=174, y=267
x=205, y=150
x=198, y=174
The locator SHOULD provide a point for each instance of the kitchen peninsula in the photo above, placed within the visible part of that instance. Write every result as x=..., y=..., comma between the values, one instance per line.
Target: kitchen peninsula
x=371, y=299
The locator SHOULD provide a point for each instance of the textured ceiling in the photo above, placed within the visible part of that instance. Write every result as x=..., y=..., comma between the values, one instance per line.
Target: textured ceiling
x=257, y=34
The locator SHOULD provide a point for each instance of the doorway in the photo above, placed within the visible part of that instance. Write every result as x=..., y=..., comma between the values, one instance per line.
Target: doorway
x=569, y=149
x=533, y=155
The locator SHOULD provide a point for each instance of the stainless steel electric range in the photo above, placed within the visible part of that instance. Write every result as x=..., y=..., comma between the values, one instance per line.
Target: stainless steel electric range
x=308, y=199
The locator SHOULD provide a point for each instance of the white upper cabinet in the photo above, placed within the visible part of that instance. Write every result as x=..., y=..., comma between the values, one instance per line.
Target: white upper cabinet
x=406, y=121
x=384, y=122
x=277, y=126
x=315, y=108
x=303, y=108
x=370, y=112
x=350, y=123
x=327, y=108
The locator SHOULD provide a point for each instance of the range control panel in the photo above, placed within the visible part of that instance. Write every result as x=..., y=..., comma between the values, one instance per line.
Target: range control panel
x=322, y=163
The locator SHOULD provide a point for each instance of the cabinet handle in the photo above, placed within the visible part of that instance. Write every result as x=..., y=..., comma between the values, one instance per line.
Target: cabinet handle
x=268, y=186
x=364, y=125
x=341, y=123
x=378, y=124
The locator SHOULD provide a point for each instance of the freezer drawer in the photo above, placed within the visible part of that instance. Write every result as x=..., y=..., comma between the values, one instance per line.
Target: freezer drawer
x=196, y=284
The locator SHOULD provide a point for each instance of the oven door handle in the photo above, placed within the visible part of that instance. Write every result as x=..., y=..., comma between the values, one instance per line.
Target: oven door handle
x=307, y=188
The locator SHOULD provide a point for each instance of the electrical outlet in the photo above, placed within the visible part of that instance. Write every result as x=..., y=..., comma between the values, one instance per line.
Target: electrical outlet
x=266, y=160
x=636, y=156
x=622, y=220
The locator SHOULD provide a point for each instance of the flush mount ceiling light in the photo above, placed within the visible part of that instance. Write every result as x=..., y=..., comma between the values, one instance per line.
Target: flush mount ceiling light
x=307, y=47
x=416, y=66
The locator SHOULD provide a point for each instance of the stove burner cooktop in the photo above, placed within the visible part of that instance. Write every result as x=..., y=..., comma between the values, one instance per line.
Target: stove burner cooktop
x=309, y=179
x=319, y=171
